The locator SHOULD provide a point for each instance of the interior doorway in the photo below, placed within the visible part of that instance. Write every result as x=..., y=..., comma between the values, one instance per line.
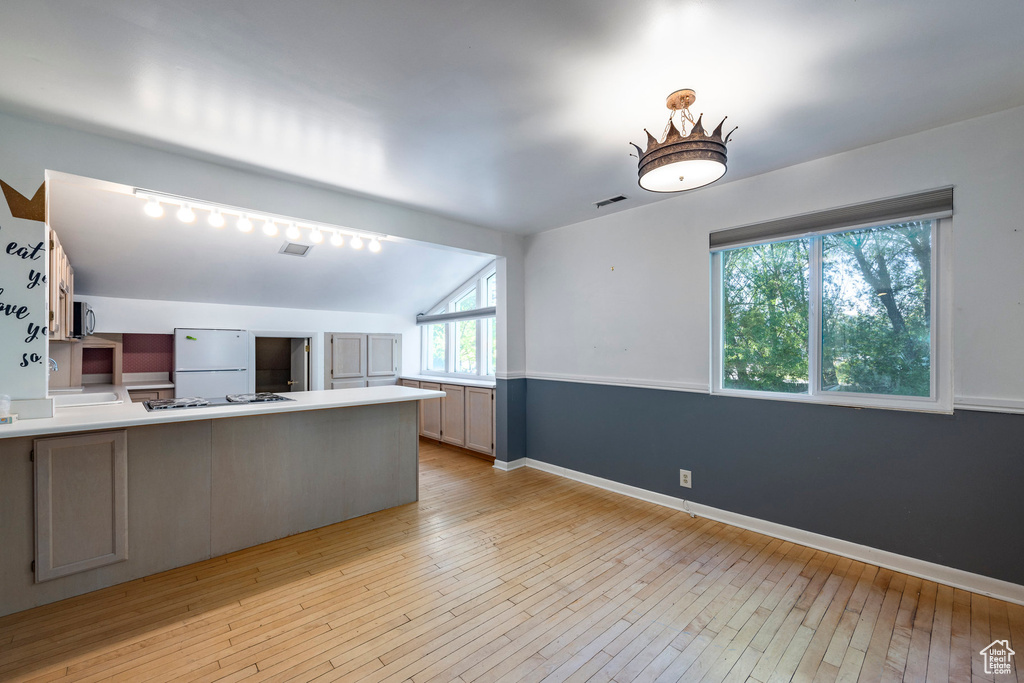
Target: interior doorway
x=282, y=364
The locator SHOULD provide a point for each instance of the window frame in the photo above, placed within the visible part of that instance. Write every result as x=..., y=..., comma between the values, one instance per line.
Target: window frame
x=940, y=397
x=447, y=305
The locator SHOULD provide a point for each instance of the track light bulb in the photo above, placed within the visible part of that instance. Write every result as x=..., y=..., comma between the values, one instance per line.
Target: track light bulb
x=357, y=242
x=375, y=245
x=154, y=209
x=244, y=224
x=315, y=236
x=216, y=219
x=270, y=228
x=186, y=214
x=292, y=232
x=337, y=240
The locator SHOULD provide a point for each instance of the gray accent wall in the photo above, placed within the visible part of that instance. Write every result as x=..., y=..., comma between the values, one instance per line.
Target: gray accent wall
x=510, y=419
x=947, y=489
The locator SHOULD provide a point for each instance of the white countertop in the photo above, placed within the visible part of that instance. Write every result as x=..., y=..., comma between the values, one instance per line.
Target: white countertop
x=132, y=386
x=89, y=418
x=457, y=381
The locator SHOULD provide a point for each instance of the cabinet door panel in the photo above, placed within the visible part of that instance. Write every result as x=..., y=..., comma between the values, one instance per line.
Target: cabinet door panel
x=453, y=415
x=430, y=413
x=81, y=499
x=410, y=383
x=382, y=350
x=479, y=419
x=382, y=382
x=348, y=355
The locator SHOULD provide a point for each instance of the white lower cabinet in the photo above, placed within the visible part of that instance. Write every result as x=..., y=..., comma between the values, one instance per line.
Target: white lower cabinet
x=81, y=501
x=430, y=413
x=480, y=419
x=453, y=415
x=464, y=417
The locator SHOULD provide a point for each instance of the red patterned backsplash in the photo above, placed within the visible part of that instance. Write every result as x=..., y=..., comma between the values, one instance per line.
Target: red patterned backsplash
x=146, y=353
x=97, y=361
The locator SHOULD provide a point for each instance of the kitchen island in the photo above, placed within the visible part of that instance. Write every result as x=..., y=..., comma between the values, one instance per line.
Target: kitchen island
x=99, y=495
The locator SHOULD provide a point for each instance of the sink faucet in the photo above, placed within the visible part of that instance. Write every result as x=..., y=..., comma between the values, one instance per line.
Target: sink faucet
x=53, y=365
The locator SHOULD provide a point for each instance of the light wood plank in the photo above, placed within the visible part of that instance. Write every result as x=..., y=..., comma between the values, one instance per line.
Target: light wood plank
x=518, y=576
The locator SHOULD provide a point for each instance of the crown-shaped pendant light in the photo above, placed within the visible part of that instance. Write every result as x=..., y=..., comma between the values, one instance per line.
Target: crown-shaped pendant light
x=682, y=160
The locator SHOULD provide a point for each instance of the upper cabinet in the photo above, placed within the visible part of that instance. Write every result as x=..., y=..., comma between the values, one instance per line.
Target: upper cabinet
x=382, y=355
x=348, y=356
x=61, y=283
x=364, y=360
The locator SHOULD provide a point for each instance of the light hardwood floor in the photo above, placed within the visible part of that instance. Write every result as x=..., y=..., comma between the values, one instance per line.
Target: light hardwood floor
x=517, y=576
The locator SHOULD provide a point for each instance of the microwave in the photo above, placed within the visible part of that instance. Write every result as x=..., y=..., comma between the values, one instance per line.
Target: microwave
x=85, y=320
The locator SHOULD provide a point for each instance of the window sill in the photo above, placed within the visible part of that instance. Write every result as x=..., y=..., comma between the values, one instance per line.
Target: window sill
x=920, y=405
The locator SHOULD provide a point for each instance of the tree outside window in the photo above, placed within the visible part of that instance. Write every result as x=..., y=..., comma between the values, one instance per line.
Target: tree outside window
x=874, y=286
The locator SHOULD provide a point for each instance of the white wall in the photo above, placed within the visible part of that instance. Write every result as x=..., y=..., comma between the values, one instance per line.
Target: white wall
x=624, y=298
x=161, y=317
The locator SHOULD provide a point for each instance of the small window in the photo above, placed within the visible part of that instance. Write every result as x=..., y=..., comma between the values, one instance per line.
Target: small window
x=876, y=310
x=437, y=350
x=492, y=290
x=464, y=347
x=765, y=292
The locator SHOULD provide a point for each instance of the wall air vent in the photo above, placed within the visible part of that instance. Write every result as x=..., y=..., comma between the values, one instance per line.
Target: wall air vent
x=295, y=249
x=611, y=200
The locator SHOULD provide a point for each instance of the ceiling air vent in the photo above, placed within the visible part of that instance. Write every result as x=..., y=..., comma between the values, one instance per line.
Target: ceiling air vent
x=295, y=249
x=611, y=200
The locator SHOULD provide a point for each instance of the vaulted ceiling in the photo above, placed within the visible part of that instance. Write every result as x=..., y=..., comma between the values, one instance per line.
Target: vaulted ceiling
x=512, y=115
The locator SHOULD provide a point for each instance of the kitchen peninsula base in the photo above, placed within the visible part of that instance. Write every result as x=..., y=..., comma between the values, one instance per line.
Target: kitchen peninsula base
x=206, y=487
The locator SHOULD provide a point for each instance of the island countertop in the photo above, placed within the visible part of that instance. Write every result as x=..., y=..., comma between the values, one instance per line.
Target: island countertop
x=96, y=417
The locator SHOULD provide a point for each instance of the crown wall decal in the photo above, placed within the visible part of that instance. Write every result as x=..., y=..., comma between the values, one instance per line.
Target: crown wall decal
x=22, y=207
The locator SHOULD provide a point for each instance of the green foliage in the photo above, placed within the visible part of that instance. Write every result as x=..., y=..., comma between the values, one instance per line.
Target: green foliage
x=876, y=317
x=765, y=302
x=876, y=322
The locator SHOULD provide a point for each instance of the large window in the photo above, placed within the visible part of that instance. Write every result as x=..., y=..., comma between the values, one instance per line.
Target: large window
x=846, y=317
x=464, y=347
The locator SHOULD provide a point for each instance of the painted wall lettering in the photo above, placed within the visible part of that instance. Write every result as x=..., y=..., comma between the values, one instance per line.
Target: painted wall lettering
x=23, y=301
x=35, y=332
x=28, y=253
x=30, y=358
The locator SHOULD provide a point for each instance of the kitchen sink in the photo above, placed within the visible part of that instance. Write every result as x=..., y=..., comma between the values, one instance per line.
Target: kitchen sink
x=98, y=398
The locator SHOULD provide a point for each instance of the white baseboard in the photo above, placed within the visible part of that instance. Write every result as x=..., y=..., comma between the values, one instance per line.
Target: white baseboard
x=957, y=578
x=511, y=465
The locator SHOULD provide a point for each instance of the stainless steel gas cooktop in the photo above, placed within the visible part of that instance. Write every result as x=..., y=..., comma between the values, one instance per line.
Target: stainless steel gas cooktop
x=197, y=402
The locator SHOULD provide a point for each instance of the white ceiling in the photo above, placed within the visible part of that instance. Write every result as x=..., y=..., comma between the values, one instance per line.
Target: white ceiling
x=118, y=251
x=513, y=115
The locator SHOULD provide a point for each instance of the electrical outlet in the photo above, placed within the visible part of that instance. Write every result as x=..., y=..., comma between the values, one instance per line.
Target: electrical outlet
x=685, y=479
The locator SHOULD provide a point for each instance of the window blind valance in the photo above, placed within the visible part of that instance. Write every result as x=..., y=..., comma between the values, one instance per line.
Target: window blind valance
x=937, y=203
x=474, y=314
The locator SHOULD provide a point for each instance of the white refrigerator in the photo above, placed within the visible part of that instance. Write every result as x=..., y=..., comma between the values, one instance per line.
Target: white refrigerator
x=210, y=363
